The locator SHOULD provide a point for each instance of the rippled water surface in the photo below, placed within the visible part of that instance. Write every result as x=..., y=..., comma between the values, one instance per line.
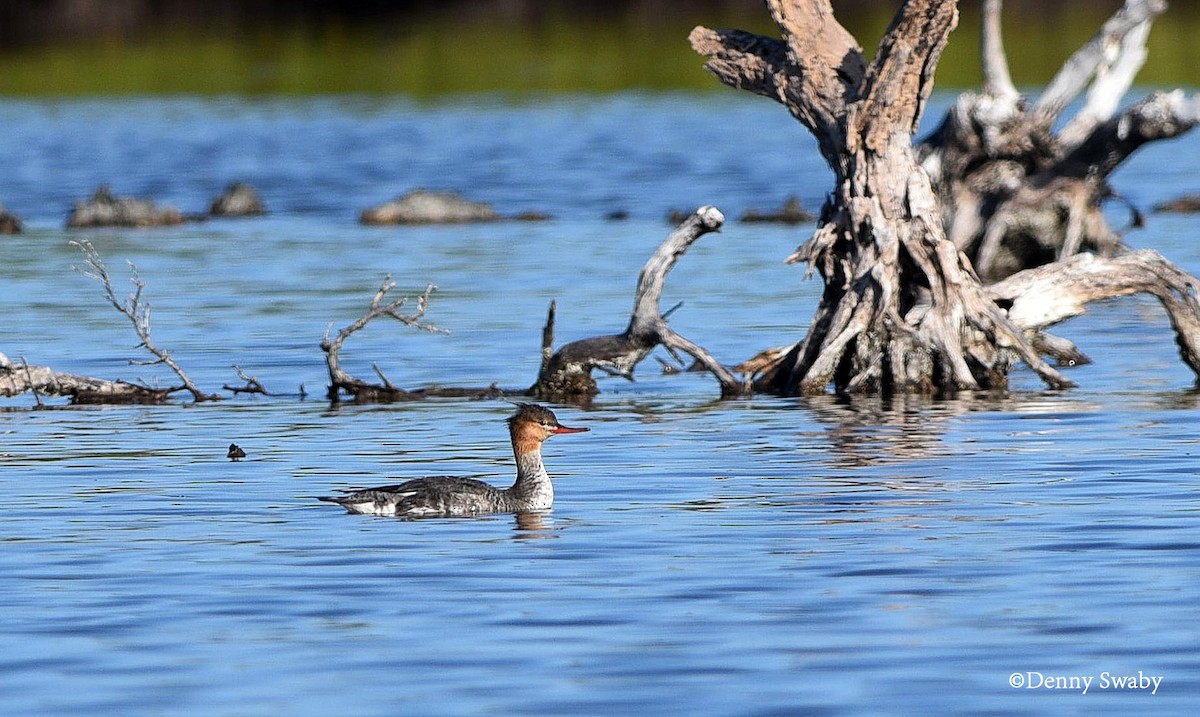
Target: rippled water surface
x=753, y=557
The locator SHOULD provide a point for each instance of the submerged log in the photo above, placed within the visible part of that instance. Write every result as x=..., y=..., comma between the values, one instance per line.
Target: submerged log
x=792, y=212
x=1184, y=204
x=238, y=200
x=424, y=207
x=21, y=378
x=567, y=373
x=105, y=209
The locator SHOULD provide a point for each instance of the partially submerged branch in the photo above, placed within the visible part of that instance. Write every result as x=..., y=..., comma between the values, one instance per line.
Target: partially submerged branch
x=341, y=381
x=138, y=312
x=251, y=384
x=17, y=379
x=567, y=373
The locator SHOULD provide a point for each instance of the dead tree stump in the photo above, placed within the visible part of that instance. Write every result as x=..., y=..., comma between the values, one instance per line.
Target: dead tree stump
x=902, y=308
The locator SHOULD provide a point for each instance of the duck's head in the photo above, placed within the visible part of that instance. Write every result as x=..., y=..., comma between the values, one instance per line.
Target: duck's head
x=536, y=423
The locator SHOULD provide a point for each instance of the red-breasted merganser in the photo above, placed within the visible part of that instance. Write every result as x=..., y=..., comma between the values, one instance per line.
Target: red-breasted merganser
x=451, y=496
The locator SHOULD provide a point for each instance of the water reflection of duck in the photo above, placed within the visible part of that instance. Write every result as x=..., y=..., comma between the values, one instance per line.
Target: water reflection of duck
x=451, y=496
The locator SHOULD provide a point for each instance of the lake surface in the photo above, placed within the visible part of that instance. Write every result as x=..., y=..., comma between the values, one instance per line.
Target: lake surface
x=752, y=557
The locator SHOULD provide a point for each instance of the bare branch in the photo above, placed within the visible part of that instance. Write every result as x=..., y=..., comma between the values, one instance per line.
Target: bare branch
x=252, y=384
x=1113, y=79
x=997, y=82
x=138, y=313
x=815, y=71
x=899, y=80
x=1096, y=54
x=1041, y=297
x=548, y=337
x=32, y=386
x=387, y=382
x=339, y=379
x=568, y=372
x=743, y=60
x=1162, y=115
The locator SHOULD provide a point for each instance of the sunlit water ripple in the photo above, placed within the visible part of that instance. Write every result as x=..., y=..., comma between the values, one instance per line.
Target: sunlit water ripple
x=754, y=557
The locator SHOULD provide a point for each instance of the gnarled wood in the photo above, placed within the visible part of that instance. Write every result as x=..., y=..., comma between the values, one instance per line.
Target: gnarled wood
x=567, y=374
x=902, y=309
x=1016, y=192
x=1038, y=298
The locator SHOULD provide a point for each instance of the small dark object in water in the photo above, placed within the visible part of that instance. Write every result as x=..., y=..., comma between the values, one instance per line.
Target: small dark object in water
x=617, y=215
x=792, y=212
x=238, y=200
x=235, y=452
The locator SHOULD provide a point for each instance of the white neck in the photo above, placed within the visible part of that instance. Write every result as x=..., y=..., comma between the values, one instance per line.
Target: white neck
x=533, y=487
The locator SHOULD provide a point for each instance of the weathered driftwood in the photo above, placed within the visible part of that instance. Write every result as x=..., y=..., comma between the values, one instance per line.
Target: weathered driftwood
x=902, y=308
x=20, y=378
x=1038, y=298
x=238, y=200
x=424, y=207
x=105, y=209
x=567, y=373
x=1016, y=192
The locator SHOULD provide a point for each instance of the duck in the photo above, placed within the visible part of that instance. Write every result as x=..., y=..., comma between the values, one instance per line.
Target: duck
x=457, y=497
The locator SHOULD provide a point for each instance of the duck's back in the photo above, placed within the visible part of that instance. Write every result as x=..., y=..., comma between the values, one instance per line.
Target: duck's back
x=432, y=497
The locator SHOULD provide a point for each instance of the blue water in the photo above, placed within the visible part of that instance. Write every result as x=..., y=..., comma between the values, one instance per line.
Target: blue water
x=753, y=557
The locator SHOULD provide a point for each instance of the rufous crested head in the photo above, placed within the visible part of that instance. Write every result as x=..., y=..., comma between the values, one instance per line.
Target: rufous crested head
x=536, y=423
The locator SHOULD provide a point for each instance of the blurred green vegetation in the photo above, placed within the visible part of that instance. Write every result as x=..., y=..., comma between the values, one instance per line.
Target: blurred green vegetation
x=434, y=56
